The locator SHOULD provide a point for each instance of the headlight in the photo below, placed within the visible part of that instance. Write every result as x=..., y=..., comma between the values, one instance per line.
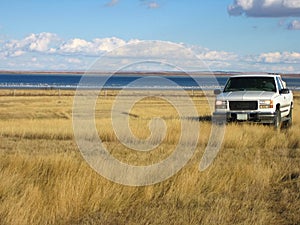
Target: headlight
x=220, y=104
x=265, y=104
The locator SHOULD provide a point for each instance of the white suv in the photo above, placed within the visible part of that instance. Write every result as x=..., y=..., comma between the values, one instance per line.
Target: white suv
x=256, y=98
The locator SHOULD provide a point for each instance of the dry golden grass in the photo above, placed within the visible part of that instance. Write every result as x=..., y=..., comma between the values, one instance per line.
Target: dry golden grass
x=255, y=179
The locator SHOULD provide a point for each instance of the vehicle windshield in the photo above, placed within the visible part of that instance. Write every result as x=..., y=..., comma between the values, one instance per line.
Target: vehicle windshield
x=250, y=84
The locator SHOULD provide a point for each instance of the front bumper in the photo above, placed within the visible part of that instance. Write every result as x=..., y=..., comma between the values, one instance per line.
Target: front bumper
x=258, y=117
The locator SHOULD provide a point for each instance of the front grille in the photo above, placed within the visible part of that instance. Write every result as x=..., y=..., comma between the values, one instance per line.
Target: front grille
x=243, y=105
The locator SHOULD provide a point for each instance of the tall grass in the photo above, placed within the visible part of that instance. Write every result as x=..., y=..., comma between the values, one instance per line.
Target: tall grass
x=44, y=179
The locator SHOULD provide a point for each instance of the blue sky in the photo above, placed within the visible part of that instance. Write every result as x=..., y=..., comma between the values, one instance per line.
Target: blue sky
x=242, y=35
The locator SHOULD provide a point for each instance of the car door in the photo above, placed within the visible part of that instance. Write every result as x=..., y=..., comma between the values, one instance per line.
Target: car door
x=285, y=98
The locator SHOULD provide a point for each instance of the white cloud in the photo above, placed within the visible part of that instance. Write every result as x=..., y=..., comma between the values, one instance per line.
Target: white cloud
x=291, y=3
x=112, y=3
x=139, y=49
x=17, y=53
x=75, y=45
x=150, y=4
x=108, y=44
x=280, y=57
x=216, y=60
x=48, y=43
x=49, y=52
x=283, y=68
x=42, y=42
x=272, y=57
x=153, y=5
x=265, y=8
x=96, y=47
x=294, y=25
x=74, y=60
x=217, y=56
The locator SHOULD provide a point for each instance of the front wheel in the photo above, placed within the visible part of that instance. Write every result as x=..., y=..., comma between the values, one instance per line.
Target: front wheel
x=277, y=119
x=289, y=121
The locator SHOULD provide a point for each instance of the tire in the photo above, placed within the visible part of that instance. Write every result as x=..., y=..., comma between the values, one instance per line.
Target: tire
x=289, y=122
x=290, y=117
x=277, y=119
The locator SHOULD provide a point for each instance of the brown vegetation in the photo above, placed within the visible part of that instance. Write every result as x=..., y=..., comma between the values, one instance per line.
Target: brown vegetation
x=255, y=178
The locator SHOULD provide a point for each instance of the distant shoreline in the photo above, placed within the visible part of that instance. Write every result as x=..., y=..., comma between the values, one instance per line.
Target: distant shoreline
x=145, y=73
x=167, y=73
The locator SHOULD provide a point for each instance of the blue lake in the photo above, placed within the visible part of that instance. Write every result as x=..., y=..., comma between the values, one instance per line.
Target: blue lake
x=55, y=81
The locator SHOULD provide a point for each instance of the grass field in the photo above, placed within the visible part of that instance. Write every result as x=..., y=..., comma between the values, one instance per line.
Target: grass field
x=255, y=178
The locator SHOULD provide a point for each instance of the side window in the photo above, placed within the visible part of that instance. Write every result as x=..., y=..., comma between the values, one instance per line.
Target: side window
x=279, y=84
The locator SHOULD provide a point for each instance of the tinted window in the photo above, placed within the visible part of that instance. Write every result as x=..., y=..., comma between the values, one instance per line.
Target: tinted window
x=250, y=84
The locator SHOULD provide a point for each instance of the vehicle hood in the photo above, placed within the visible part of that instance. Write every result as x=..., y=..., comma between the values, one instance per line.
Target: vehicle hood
x=246, y=95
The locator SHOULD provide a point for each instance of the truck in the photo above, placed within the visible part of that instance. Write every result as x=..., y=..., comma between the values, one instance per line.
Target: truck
x=259, y=98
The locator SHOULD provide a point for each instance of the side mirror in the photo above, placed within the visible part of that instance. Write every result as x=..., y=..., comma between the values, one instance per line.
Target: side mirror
x=284, y=91
x=217, y=91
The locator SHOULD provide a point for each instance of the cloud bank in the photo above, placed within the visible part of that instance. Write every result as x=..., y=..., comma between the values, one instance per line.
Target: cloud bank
x=48, y=43
x=47, y=51
x=265, y=8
